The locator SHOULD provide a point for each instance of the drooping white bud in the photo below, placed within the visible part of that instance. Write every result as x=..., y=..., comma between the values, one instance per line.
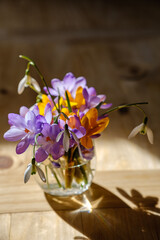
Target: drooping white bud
x=27, y=81
x=27, y=173
x=66, y=140
x=136, y=130
x=150, y=135
x=41, y=174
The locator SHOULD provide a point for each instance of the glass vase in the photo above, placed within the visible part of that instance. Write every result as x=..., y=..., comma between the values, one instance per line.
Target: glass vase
x=69, y=178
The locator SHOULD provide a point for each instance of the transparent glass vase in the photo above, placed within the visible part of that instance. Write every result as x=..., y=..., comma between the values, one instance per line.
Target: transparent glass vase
x=70, y=178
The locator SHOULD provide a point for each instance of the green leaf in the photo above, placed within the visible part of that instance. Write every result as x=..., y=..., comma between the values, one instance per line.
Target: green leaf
x=68, y=102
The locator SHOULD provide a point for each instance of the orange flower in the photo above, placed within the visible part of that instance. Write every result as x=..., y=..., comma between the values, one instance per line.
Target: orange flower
x=93, y=126
x=76, y=102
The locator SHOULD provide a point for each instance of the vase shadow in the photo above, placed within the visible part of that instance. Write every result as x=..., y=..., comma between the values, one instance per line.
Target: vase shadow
x=100, y=214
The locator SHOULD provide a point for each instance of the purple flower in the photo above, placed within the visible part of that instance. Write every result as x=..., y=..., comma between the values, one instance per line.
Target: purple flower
x=92, y=100
x=24, y=127
x=69, y=82
x=71, y=133
x=48, y=144
x=87, y=153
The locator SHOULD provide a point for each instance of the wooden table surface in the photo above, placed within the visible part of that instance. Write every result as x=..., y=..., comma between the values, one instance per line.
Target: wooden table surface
x=118, y=205
x=116, y=46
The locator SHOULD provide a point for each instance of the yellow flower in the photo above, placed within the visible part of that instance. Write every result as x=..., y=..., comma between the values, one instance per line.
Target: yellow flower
x=45, y=100
x=93, y=126
x=76, y=102
x=42, y=105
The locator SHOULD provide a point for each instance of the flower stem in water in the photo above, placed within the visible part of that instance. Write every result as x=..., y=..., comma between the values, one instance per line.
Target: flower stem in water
x=46, y=171
x=55, y=175
x=83, y=172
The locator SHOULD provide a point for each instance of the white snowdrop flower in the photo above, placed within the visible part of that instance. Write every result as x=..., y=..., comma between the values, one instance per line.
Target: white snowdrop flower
x=142, y=129
x=27, y=81
x=31, y=169
x=27, y=173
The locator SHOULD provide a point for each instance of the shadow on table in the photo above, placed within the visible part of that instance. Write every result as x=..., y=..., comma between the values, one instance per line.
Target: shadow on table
x=99, y=214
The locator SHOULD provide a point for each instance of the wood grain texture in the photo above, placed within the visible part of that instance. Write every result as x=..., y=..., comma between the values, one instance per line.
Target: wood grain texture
x=83, y=60
x=116, y=46
x=41, y=225
x=119, y=205
x=15, y=196
x=5, y=223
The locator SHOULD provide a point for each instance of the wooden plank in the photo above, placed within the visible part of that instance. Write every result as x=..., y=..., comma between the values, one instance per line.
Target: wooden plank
x=82, y=223
x=41, y=225
x=48, y=16
x=5, y=221
x=104, y=61
x=15, y=196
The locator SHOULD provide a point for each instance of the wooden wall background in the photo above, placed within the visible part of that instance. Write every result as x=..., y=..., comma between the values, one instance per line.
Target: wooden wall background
x=115, y=45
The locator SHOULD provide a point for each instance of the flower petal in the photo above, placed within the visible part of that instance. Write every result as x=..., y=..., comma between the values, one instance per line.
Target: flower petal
x=69, y=81
x=14, y=134
x=51, y=90
x=48, y=113
x=59, y=136
x=58, y=87
x=41, y=174
x=47, y=130
x=56, y=151
x=30, y=116
x=35, y=85
x=102, y=97
x=23, y=110
x=22, y=145
x=150, y=135
x=16, y=120
x=79, y=132
x=40, y=155
x=86, y=142
x=54, y=131
x=75, y=137
x=92, y=91
x=85, y=94
x=66, y=141
x=80, y=82
x=27, y=173
x=106, y=105
x=135, y=131
x=21, y=85
x=55, y=164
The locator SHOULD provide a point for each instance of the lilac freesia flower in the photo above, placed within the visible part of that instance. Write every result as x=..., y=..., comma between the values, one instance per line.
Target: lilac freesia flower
x=69, y=83
x=92, y=100
x=24, y=127
x=48, y=144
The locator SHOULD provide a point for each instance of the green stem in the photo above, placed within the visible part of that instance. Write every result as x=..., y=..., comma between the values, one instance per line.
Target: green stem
x=68, y=102
x=125, y=106
x=46, y=171
x=83, y=172
x=55, y=175
x=34, y=146
x=41, y=76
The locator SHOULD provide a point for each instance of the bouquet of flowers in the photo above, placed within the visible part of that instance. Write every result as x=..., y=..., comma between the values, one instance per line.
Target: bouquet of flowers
x=61, y=126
